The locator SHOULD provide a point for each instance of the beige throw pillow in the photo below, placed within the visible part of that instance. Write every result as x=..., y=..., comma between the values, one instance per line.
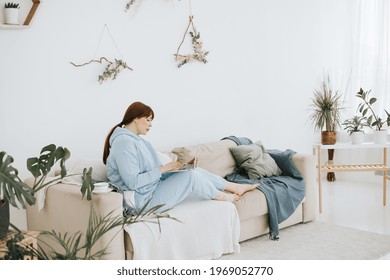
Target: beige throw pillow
x=255, y=160
x=99, y=172
x=215, y=157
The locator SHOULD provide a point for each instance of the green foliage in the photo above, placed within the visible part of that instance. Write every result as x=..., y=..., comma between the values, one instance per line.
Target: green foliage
x=79, y=246
x=15, y=251
x=112, y=70
x=355, y=124
x=68, y=246
x=12, y=189
x=49, y=156
x=366, y=109
x=11, y=5
x=326, y=108
x=129, y=4
x=197, y=46
x=87, y=184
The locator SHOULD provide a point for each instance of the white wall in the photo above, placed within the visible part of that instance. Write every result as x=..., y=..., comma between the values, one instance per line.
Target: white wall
x=266, y=57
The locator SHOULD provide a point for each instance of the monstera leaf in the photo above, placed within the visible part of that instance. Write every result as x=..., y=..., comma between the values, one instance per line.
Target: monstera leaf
x=12, y=189
x=41, y=166
x=87, y=185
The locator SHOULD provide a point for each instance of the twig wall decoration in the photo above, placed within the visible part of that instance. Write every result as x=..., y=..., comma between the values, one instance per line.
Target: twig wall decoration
x=132, y=3
x=197, y=46
x=112, y=68
x=129, y=4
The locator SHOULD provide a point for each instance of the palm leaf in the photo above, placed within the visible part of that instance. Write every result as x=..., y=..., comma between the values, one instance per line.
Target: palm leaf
x=326, y=108
x=71, y=245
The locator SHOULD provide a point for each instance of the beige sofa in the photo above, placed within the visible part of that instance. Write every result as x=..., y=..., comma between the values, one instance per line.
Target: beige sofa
x=64, y=211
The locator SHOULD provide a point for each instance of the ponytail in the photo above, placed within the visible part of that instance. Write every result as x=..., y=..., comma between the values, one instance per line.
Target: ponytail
x=107, y=147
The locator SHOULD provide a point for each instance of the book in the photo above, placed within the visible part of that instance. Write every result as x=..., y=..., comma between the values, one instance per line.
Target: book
x=191, y=165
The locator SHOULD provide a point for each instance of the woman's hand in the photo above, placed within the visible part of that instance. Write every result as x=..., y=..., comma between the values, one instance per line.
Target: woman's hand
x=171, y=166
x=193, y=162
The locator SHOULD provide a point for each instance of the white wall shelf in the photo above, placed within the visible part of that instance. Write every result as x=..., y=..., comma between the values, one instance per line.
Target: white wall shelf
x=13, y=26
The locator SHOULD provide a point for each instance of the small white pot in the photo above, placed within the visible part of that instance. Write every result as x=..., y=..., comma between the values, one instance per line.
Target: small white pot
x=11, y=16
x=357, y=137
x=380, y=136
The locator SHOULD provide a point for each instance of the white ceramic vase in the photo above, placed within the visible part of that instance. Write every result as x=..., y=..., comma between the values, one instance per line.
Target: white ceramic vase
x=11, y=16
x=380, y=136
x=357, y=137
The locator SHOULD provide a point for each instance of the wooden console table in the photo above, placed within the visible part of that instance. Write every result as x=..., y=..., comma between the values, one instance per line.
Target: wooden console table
x=330, y=167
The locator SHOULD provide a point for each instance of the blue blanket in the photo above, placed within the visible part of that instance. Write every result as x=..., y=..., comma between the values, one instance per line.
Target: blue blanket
x=283, y=193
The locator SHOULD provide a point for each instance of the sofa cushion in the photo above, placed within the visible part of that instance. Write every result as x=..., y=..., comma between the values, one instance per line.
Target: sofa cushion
x=214, y=156
x=255, y=160
x=98, y=171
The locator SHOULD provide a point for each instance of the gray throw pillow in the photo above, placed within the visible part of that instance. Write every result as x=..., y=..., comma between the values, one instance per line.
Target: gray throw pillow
x=255, y=160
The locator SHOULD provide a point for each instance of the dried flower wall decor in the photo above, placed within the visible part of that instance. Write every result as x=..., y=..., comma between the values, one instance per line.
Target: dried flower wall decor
x=112, y=67
x=129, y=4
x=197, y=46
x=111, y=70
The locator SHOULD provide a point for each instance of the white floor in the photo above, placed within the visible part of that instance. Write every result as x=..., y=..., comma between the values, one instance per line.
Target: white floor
x=356, y=205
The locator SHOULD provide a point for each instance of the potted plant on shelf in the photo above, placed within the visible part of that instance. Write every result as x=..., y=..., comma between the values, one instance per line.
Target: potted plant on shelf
x=11, y=13
x=326, y=111
x=354, y=126
x=374, y=121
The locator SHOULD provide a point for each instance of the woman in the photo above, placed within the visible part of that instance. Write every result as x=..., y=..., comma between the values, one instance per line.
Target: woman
x=133, y=165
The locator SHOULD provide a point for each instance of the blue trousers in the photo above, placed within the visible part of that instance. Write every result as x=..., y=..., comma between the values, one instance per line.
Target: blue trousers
x=175, y=187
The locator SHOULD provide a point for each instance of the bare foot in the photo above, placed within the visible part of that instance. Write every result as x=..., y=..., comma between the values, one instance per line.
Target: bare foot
x=222, y=196
x=240, y=189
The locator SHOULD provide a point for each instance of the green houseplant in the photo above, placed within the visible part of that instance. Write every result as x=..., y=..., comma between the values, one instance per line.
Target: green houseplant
x=374, y=121
x=13, y=191
x=11, y=5
x=326, y=110
x=354, y=126
x=11, y=13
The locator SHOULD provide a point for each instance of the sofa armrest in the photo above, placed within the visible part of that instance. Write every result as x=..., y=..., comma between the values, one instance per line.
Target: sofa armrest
x=305, y=164
x=65, y=212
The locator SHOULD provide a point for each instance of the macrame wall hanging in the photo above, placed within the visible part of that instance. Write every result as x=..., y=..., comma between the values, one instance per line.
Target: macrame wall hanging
x=197, y=45
x=112, y=67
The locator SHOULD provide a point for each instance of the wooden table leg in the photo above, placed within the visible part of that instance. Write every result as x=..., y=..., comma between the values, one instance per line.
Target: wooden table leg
x=384, y=175
x=331, y=176
x=319, y=179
